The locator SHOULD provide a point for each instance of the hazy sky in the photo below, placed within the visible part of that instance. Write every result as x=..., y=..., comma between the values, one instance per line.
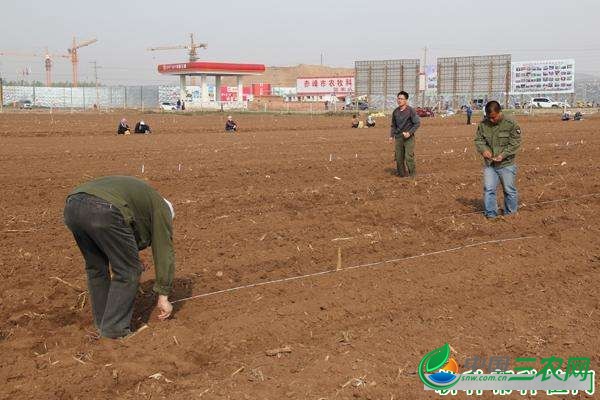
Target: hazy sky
x=278, y=32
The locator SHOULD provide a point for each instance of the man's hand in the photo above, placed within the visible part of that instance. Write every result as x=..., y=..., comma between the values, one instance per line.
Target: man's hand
x=391, y=139
x=498, y=158
x=406, y=135
x=165, y=307
x=487, y=154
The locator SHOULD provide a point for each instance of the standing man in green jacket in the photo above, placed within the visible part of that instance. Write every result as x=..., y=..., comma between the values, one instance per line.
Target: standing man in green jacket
x=405, y=123
x=112, y=219
x=497, y=140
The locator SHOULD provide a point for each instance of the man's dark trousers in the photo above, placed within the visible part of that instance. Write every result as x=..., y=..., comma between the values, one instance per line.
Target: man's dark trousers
x=405, y=153
x=104, y=238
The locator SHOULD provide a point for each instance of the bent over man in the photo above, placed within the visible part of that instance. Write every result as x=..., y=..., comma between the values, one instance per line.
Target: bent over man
x=112, y=219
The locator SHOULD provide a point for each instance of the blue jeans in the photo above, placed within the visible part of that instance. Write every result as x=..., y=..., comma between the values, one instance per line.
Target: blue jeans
x=491, y=177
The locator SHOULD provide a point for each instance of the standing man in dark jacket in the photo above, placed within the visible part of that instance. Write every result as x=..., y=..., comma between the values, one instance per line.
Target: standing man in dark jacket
x=497, y=140
x=405, y=123
x=112, y=219
x=469, y=111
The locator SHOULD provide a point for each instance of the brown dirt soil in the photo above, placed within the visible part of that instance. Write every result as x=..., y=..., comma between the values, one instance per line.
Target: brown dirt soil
x=267, y=203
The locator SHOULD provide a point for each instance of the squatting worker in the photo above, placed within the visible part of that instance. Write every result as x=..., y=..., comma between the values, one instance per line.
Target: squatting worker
x=112, y=219
x=498, y=139
x=142, y=127
x=230, y=125
x=123, y=128
x=405, y=123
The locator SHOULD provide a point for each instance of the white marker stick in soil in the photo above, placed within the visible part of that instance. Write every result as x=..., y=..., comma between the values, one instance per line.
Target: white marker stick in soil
x=279, y=351
x=373, y=264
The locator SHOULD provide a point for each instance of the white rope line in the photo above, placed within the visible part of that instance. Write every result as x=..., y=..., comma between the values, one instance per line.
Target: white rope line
x=331, y=271
x=525, y=205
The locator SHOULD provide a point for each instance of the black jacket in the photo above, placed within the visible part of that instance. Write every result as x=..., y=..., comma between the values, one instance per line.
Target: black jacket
x=145, y=128
x=121, y=129
x=230, y=125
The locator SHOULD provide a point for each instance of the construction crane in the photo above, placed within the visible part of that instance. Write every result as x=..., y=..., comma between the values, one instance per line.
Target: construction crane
x=192, y=47
x=48, y=60
x=192, y=50
x=74, y=57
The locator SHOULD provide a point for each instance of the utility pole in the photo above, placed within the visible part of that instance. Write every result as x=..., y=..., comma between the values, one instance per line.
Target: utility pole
x=321, y=58
x=95, y=64
x=1, y=90
x=425, y=75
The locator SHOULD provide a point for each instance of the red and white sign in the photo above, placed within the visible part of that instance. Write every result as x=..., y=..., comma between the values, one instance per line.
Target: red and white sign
x=261, y=89
x=230, y=93
x=211, y=68
x=336, y=85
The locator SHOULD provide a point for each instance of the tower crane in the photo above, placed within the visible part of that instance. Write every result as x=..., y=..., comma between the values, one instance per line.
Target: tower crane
x=48, y=60
x=191, y=47
x=74, y=56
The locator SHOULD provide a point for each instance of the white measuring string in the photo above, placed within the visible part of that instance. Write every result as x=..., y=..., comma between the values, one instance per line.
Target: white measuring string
x=539, y=203
x=331, y=271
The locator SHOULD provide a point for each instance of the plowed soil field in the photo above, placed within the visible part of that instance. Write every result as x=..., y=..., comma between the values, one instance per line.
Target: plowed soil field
x=298, y=196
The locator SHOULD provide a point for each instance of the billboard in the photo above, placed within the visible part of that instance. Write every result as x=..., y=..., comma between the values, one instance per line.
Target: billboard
x=284, y=91
x=474, y=75
x=230, y=93
x=261, y=89
x=336, y=85
x=381, y=80
x=539, y=77
x=431, y=78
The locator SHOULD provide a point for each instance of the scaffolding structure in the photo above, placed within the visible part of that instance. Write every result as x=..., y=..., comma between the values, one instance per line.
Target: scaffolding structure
x=464, y=79
x=381, y=80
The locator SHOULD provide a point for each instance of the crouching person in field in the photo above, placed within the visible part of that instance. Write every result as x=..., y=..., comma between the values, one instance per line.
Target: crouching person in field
x=230, y=125
x=370, y=121
x=112, y=219
x=123, y=128
x=142, y=127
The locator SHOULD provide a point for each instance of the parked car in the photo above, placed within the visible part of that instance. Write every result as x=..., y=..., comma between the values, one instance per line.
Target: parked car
x=545, y=102
x=166, y=106
x=24, y=104
x=357, y=105
x=424, y=112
